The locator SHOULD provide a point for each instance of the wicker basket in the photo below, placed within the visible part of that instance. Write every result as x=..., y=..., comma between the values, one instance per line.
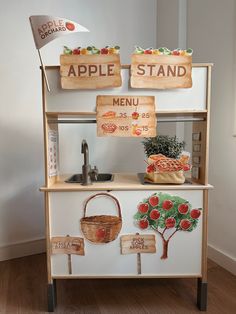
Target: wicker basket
x=102, y=228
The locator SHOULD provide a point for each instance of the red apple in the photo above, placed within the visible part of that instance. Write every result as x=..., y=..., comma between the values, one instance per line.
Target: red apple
x=195, y=213
x=70, y=26
x=185, y=224
x=143, y=208
x=104, y=51
x=143, y=223
x=100, y=233
x=170, y=222
x=175, y=53
x=135, y=115
x=153, y=201
x=148, y=51
x=167, y=204
x=155, y=214
x=138, y=132
x=186, y=167
x=183, y=209
x=76, y=51
x=150, y=168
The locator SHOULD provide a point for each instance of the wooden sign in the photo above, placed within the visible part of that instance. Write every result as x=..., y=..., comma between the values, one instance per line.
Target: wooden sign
x=90, y=71
x=160, y=71
x=126, y=116
x=67, y=245
x=138, y=243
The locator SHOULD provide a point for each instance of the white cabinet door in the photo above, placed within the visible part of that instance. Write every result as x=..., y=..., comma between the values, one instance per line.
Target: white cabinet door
x=104, y=260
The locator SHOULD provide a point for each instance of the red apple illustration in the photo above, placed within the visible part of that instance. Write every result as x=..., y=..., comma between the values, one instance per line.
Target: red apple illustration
x=150, y=168
x=155, y=214
x=153, y=200
x=143, y=223
x=70, y=26
x=185, y=224
x=195, y=213
x=76, y=51
x=148, y=51
x=167, y=204
x=143, y=208
x=104, y=51
x=175, y=53
x=100, y=233
x=186, y=167
x=183, y=209
x=138, y=132
x=170, y=222
x=135, y=115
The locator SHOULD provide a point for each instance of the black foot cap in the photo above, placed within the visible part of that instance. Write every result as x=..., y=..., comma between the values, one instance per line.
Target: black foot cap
x=202, y=295
x=52, y=296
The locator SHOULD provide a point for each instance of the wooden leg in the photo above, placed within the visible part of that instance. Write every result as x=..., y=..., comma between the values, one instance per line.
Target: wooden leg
x=52, y=296
x=201, y=295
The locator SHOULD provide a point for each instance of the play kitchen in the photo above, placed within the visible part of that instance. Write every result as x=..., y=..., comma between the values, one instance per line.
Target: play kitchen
x=126, y=166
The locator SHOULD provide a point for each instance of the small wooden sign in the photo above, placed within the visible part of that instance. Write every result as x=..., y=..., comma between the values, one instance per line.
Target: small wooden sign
x=126, y=116
x=160, y=71
x=142, y=243
x=67, y=245
x=90, y=71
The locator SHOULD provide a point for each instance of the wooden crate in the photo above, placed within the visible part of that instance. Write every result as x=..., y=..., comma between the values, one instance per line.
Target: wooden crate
x=90, y=71
x=161, y=72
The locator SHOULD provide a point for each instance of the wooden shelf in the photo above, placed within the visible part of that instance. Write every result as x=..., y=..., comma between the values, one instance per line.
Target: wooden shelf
x=122, y=181
x=127, y=66
x=64, y=114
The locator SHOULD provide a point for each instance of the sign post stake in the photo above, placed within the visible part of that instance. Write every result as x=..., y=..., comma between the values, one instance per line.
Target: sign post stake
x=139, y=267
x=69, y=261
x=137, y=244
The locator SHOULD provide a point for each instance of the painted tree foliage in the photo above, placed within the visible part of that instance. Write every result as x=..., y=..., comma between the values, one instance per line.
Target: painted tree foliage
x=161, y=212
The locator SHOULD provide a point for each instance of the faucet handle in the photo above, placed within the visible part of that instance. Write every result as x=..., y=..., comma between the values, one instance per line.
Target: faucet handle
x=94, y=173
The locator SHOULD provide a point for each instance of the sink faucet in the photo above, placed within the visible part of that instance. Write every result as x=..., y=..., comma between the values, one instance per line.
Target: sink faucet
x=88, y=174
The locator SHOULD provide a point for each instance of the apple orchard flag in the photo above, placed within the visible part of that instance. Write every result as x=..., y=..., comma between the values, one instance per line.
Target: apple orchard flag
x=46, y=28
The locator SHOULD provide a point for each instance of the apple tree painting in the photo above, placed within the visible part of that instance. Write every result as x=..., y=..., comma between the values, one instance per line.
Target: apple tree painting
x=166, y=214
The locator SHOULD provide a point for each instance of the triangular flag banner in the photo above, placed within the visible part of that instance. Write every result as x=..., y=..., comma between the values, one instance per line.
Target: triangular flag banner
x=46, y=28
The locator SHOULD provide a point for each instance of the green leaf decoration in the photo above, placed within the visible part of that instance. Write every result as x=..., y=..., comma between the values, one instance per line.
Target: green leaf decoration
x=166, y=145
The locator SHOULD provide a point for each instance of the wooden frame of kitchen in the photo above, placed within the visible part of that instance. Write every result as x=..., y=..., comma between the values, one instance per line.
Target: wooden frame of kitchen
x=64, y=202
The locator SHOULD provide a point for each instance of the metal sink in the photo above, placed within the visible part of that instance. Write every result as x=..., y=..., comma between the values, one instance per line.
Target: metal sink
x=102, y=177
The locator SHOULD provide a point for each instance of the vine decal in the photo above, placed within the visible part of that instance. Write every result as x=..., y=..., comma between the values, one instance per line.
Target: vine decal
x=161, y=212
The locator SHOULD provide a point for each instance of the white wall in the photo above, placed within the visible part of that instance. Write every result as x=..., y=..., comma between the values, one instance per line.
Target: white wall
x=124, y=22
x=212, y=34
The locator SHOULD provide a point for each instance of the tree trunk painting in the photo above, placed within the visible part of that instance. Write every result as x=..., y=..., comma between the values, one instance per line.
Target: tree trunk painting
x=165, y=249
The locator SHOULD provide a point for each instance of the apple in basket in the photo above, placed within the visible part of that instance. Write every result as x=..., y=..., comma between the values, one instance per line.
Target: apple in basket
x=100, y=233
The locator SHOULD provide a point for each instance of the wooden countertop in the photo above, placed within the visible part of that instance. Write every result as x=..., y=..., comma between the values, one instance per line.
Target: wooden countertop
x=122, y=181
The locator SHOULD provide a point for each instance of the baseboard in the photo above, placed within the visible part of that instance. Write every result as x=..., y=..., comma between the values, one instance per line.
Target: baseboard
x=21, y=249
x=221, y=258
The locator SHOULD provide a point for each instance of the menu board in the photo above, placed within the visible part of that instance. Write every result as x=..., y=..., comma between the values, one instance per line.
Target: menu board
x=52, y=153
x=126, y=116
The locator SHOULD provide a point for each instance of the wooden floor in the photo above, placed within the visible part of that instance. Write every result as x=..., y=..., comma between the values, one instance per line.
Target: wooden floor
x=23, y=291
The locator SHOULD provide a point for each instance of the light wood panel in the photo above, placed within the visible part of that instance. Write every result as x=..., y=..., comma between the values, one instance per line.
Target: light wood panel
x=122, y=181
